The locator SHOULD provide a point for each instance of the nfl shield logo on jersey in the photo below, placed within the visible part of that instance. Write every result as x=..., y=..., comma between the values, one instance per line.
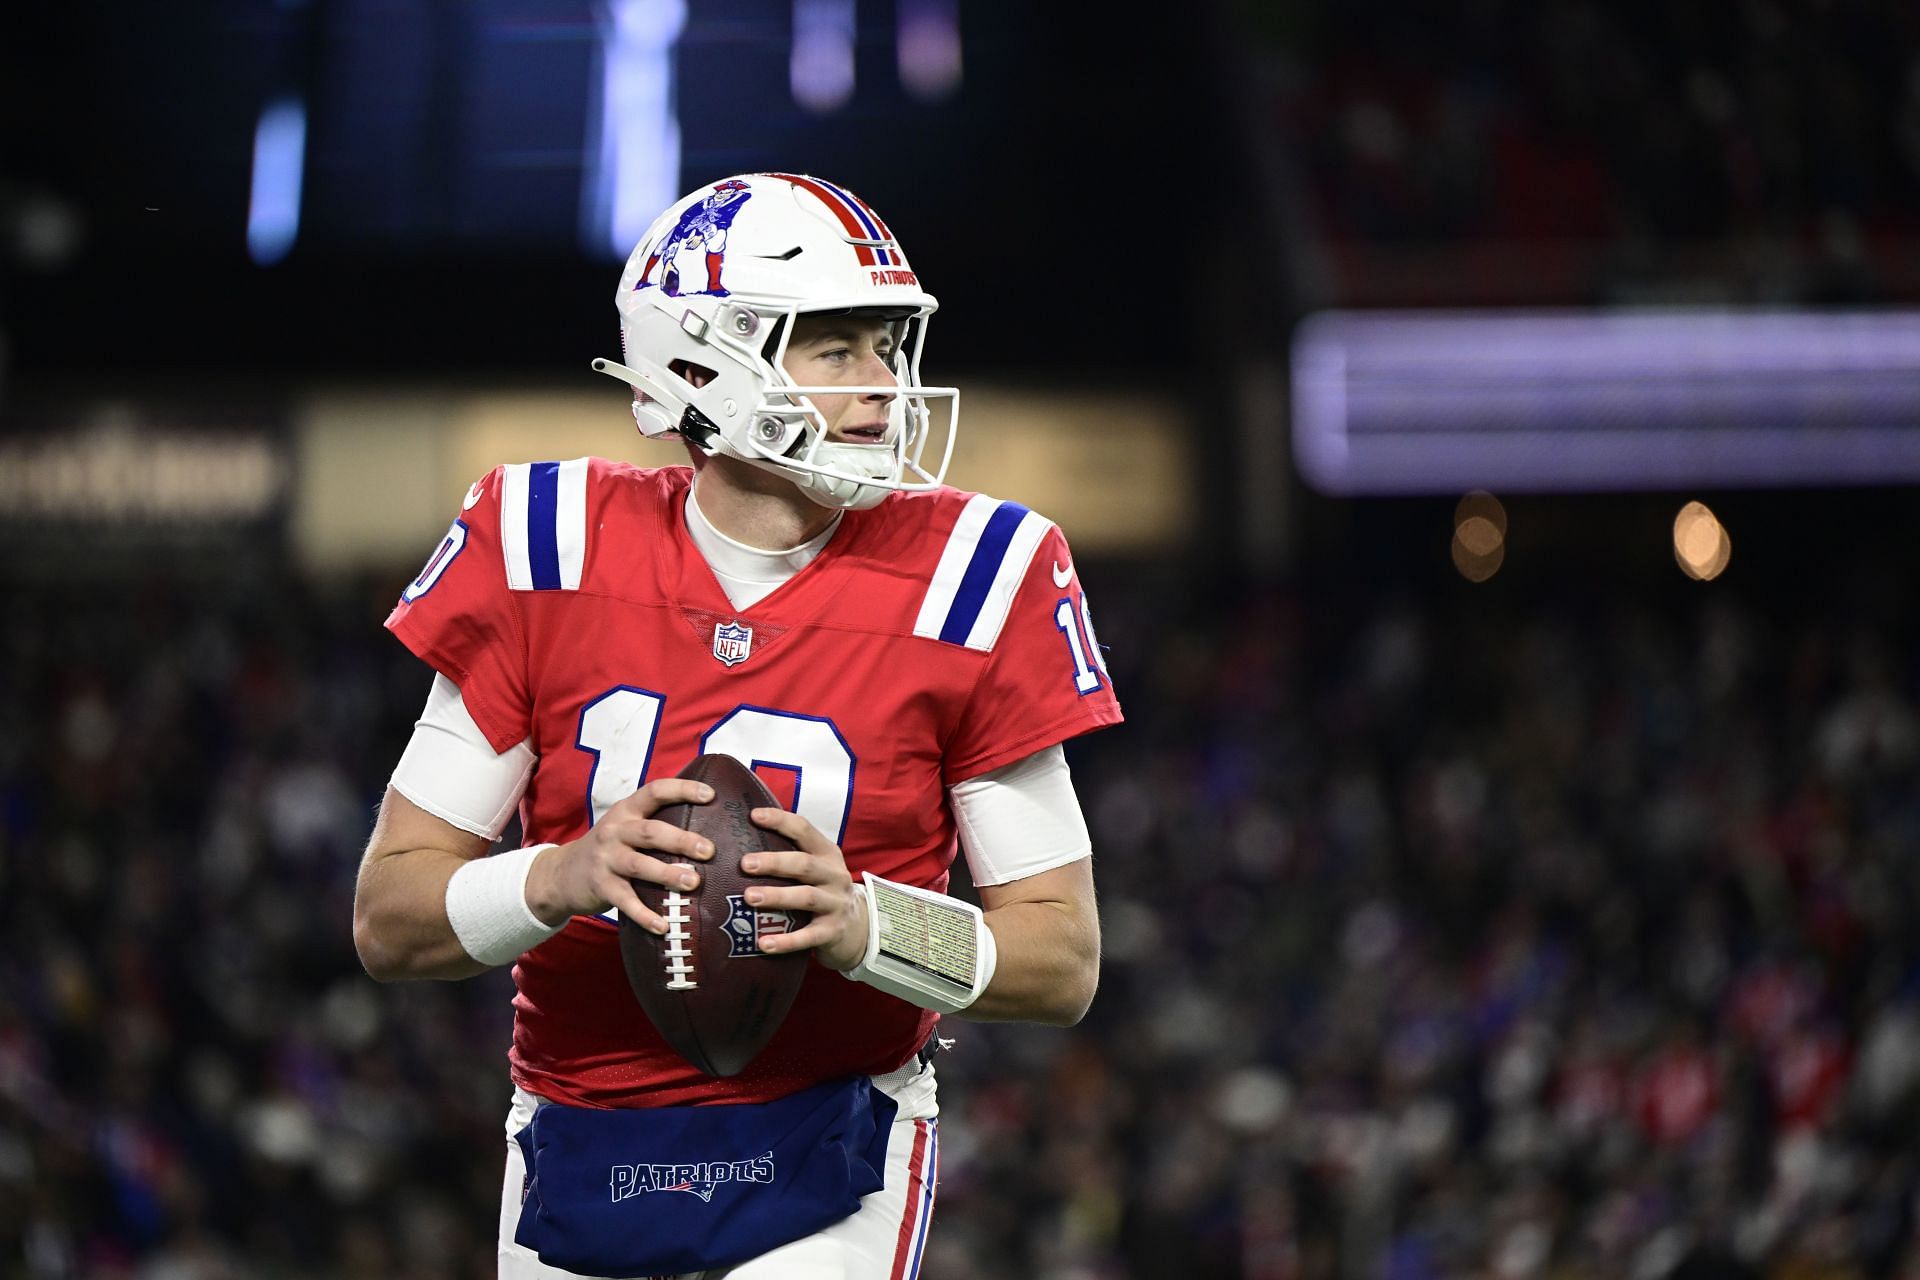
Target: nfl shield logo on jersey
x=732, y=642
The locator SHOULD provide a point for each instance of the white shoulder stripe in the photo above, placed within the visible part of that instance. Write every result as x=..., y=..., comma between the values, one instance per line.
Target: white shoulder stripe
x=953, y=563
x=1006, y=583
x=513, y=525
x=543, y=524
x=570, y=517
x=979, y=573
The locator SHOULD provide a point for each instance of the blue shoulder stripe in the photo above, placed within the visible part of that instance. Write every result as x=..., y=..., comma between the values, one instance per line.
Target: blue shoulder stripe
x=978, y=579
x=980, y=570
x=543, y=524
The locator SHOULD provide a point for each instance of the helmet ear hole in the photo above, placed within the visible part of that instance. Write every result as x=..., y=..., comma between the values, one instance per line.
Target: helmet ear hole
x=771, y=348
x=698, y=374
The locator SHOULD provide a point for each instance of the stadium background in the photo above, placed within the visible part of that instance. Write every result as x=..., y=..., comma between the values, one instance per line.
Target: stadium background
x=1556, y=924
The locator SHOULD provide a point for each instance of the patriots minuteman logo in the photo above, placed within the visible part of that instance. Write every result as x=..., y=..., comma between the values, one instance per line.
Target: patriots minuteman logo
x=701, y=229
x=732, y=642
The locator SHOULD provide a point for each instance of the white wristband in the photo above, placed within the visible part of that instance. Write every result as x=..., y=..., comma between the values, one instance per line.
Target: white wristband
x=924, y=947
x=487, y=907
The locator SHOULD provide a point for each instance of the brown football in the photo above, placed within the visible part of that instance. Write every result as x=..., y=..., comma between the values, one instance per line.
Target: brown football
x=707, y=986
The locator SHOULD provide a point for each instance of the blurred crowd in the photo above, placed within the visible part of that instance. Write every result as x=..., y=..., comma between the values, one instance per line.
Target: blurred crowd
x=1787, y=132
x=1443, y=937
x=196, y=1080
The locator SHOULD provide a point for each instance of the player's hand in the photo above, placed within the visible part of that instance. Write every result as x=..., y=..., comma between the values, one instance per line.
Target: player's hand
x=588, y=875
x=824, y=887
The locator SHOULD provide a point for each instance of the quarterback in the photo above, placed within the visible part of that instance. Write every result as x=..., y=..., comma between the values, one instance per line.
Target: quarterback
x=899, y=661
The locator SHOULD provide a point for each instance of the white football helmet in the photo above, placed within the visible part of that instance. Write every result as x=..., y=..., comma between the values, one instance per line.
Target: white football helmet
x=717, y=283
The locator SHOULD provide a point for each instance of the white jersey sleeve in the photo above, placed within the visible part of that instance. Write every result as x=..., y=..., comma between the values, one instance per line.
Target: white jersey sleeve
x=452, y=771
x=1021, y=819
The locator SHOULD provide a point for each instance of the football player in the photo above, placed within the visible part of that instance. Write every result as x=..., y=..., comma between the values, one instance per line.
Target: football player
x=899, y=660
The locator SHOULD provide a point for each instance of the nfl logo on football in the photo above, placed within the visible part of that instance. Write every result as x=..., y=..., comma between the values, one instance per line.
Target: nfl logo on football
x=732, y=642
x=745, y=927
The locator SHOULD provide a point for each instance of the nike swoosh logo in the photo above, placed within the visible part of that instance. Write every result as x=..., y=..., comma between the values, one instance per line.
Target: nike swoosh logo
x=473, y=496
x=1061, y=577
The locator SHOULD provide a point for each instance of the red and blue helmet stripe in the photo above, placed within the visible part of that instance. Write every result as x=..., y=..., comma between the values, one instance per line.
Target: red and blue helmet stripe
x=856, y=217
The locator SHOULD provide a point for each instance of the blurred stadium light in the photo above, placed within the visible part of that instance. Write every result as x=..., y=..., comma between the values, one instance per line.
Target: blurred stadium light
x=821, y=65
x=279, y=164
x=927, y=44
x=633, y=142
x=1479, y=536
x=1700, y=543
x=1431, y=402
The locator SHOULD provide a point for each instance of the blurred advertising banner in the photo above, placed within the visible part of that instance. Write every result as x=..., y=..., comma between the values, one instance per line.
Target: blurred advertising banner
x=381, y=470
x=1393, y=402
x=92, y=484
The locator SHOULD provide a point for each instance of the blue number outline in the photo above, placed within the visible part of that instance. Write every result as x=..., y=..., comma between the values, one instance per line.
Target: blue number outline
x=800, y=773
x=580, y=727
x=1072, y=631
x=409, y=594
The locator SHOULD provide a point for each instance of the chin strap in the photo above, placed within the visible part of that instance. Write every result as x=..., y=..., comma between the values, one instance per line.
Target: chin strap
x=838, y=491
x=661, y=405
x=634, y=378
x=870, y=472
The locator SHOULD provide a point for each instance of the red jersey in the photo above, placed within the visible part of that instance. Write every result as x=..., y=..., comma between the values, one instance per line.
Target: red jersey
x=935, y=637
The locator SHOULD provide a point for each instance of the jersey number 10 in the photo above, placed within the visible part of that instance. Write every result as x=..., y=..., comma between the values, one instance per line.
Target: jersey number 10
x=619, y=727
x=1077, y=626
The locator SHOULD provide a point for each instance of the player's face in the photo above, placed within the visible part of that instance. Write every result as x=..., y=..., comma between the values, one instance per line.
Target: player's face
x=848, y=351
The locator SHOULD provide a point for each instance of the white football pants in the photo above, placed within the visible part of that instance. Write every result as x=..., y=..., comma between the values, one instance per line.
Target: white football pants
x=883, y=1240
